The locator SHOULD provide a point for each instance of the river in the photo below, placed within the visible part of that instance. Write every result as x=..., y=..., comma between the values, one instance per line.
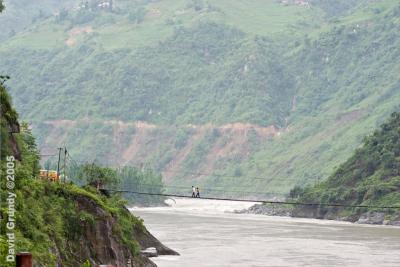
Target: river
x=206, y=234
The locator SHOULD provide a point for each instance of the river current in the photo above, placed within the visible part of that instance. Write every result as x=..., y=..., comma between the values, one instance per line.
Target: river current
x=207, y=233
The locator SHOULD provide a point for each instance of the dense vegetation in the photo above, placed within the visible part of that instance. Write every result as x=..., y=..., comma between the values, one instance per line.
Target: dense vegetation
x=54, y=218
x=126, y=178
x=146, y=81
x=324, y=75
x=370, y=177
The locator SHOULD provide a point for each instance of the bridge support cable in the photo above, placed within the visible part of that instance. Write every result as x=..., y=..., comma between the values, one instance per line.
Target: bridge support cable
x=256, y=200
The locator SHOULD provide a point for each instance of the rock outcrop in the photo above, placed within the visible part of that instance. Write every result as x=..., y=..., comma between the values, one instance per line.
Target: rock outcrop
x=100, y=245
x=270, y=210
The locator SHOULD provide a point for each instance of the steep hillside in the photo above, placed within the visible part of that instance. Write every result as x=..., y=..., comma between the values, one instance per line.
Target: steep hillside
x=261, y=95
x=231, y=73
x=347, y=84
x=60, y=224
x=227, y=79
x=370, y=177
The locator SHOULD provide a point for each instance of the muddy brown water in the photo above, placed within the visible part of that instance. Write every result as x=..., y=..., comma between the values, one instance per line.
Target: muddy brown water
x=206, y=235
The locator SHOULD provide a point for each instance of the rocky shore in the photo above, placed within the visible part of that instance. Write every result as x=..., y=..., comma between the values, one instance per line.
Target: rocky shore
x=270, y=210
x=377, y=218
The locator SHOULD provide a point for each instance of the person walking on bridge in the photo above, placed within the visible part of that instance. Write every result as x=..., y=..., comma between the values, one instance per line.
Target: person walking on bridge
x=193, y=191
x=197, y=192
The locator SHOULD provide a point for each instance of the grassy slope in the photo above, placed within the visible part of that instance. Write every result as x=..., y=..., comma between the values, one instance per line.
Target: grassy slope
x=115, y=30
x=52, y=226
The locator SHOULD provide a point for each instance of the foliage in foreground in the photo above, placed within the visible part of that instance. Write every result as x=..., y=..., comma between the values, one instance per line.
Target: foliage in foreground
x=50, y=220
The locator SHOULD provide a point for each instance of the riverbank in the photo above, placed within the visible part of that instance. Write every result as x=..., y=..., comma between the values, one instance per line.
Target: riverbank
x=373, y=217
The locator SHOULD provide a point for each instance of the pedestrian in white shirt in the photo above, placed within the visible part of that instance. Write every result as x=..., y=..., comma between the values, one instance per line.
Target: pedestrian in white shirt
x=193, y=191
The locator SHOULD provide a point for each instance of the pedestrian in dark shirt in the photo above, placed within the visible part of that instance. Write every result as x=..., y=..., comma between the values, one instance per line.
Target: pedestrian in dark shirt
x=197, y=192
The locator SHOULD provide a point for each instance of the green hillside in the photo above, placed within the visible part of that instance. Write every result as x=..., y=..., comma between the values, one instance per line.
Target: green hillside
x=347, y=84
x=204, y=76
x=60, y=223
x=135, y=67
x=370, y=177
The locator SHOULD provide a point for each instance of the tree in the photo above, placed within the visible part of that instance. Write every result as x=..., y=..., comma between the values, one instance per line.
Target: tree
x=29, y=150
x=1, y=6
x=296, y=192
x=98, y=176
